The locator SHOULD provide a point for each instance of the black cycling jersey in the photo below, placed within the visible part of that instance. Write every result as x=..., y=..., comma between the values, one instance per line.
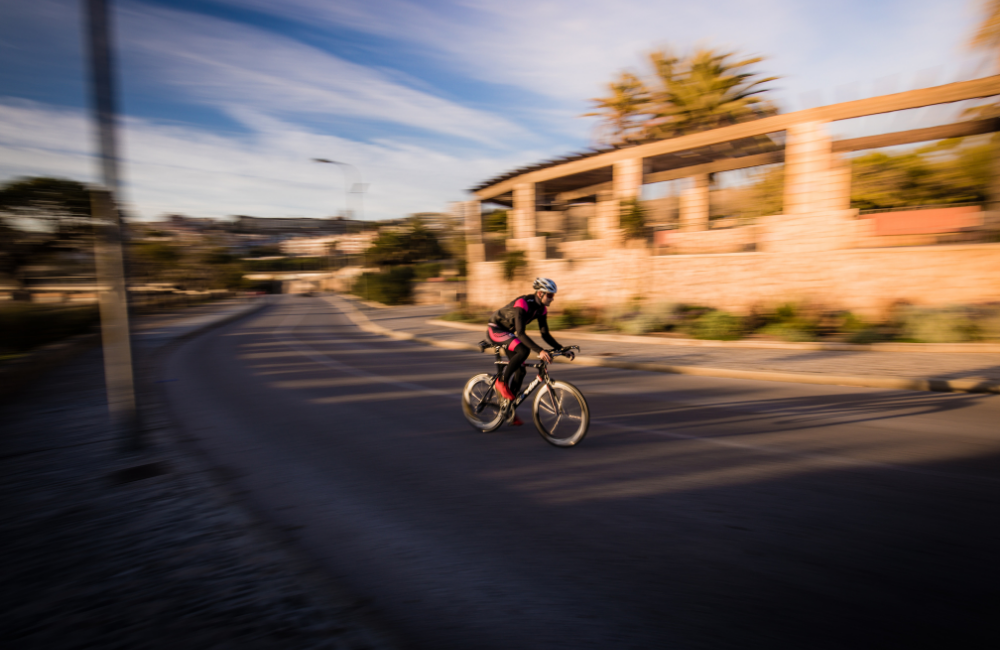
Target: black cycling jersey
x=515, y=316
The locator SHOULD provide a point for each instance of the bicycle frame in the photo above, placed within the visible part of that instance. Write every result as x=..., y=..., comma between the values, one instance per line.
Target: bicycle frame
x=541, y=378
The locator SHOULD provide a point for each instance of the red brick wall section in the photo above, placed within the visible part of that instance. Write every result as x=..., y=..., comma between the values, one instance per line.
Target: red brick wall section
x=926, y=222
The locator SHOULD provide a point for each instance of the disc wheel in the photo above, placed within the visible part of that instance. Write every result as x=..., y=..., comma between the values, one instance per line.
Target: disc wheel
x=561, y=414
x=481, y=404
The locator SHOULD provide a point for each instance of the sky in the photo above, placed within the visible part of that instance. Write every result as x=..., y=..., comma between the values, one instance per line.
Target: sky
x=225, y=104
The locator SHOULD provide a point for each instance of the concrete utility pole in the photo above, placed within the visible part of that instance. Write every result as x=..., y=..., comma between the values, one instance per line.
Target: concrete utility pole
x=119, y=373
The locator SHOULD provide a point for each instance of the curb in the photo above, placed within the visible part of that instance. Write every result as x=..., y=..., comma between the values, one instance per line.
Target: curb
x=940, y=348
x=892, y=383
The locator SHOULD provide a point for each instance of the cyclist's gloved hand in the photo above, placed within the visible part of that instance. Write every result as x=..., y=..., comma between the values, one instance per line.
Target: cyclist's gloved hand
x=545, y=356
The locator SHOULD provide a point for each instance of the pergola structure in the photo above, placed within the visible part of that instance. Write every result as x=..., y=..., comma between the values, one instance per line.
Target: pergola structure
x=817, y=180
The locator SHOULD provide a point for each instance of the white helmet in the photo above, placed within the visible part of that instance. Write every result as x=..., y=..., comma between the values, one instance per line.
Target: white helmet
x=544, y=284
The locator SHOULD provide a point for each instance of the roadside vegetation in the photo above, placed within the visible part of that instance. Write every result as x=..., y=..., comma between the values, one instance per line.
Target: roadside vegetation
x=404, y=255
x=790, y=322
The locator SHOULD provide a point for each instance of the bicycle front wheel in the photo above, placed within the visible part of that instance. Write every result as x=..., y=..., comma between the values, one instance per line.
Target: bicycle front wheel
x=481, y=404
x=561, y=414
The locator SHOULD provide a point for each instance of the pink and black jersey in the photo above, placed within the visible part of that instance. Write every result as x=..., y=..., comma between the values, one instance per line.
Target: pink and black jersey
x=515, y=316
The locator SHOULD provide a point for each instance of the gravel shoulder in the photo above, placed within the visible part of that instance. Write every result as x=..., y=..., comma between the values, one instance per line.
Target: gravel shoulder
x=102, y=548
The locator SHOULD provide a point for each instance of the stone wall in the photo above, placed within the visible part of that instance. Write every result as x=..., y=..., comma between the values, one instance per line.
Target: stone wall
x=867, y=281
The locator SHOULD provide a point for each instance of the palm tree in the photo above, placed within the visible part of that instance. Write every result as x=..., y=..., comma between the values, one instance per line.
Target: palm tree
x=988, y=35
x=705, y=91
x=623, y=111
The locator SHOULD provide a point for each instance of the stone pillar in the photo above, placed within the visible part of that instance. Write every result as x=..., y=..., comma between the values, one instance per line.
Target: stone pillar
x=470, y=214
x=523, y=214
x=694, y=205
x=605, y=224
x=991, y=218
x=627, y=179
x=626, y=183
x=808, y=158
x=838, y=186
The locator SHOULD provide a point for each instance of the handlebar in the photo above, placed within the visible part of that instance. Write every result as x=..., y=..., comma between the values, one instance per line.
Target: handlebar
x=563, y=352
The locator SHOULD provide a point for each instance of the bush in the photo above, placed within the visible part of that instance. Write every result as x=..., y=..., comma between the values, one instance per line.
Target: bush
x=427, y=270
x=26, y=325
x=571, y=316
x=513, y=261
x=945, y=325
x=466, y=315
x=860, y=331
x=391, y=287
x=495, y=221
x=657, y=317
x=716, y=325
x=988, y=324
x=793, y=332
x=791, y=322
x=632, y=218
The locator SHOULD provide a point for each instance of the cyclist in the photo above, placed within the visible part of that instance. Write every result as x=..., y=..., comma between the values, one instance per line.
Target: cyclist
x=506, y=328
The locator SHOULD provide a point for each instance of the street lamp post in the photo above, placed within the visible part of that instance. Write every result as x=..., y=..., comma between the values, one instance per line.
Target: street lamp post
x=356, y=188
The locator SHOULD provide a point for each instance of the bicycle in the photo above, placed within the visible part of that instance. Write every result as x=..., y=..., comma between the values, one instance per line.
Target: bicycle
x=560, y=411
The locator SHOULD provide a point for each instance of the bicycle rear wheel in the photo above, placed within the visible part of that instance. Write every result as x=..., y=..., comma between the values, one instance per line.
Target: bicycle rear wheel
x=481, y=404
x=561, y=414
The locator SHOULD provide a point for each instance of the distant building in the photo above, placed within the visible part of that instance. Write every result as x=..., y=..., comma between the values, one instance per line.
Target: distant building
x=316, y=246
x=279, y=225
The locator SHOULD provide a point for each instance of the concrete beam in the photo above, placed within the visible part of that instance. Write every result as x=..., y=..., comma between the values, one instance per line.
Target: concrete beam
x=986, y=87
x=957, y=130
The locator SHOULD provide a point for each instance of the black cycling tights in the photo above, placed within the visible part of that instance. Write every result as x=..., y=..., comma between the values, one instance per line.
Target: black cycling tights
x=513, y=375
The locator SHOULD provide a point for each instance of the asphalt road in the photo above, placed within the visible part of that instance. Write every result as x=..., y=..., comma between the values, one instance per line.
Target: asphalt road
x=697, y=513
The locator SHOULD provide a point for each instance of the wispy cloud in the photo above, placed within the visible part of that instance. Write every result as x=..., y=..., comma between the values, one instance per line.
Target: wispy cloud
x=566, y=51
x=266, y=173
x=221, y=63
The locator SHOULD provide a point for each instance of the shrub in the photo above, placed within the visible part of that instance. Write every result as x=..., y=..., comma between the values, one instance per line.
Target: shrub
x=944, y=325
x=632, y=218
x=791, y=322
x=988, y=324
x=716, y=325
x=495, y=221
x=391, y=287
x=26, y=325
x=513, y=261
x=466, y=315
x=426, y=270
x=860, y=331
x=649, y=318
x=792, y=331
x=571, y=316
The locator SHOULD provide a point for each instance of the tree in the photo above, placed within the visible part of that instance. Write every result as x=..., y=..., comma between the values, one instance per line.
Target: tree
x=941, y=173
x=55, y=205
x=415, y=244
x=38, y=217
x=705, y=90
x=622, y=111
x=988, y=35
x=495, y=221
